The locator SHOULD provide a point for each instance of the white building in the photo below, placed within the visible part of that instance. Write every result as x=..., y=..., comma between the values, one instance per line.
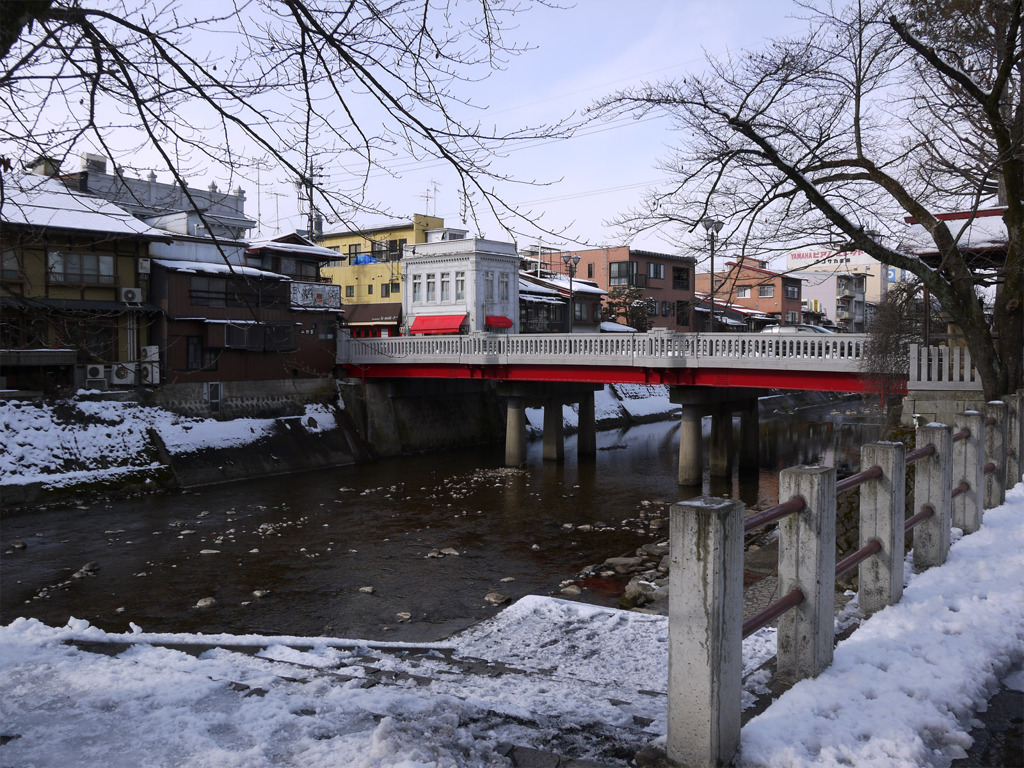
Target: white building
x=840, y=296
x=460, y=285
x=877, y=276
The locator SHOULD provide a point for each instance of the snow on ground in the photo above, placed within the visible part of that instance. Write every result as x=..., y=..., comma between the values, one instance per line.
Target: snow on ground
x=544, y=673
x=635, y=402
x=84, y=439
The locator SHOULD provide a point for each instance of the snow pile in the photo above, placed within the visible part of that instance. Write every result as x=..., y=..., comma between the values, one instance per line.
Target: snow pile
x=628, y=403
x=82, y=440
x=545, y=673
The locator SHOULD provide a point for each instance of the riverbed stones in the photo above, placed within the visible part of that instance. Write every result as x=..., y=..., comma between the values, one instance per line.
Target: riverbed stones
x=496, y=598
x=367, y=590
x=206, y=602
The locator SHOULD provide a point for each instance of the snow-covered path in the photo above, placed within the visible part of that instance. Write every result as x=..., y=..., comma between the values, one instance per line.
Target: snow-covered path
x=545, y=673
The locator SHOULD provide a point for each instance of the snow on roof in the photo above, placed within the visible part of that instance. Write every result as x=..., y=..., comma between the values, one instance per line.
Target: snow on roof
x=295, y=248
x=39, y=201
x=986, y=232
x=561, y=284
x=528, y=286
x=216, y=268
x=610, y=327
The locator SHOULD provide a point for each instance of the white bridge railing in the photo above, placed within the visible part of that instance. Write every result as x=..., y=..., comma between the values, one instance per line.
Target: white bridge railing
x=942, y=368
x=656, y=349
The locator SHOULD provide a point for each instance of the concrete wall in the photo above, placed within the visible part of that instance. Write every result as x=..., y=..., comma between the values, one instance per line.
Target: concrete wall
x=940, y=405
x=397, y=416
x=245, y=399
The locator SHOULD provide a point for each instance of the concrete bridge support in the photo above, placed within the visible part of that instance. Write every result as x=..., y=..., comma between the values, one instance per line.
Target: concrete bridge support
x=554, y=441
x=722, y=445
x=586, y=438
x=515, y=432
x=720, y=402
x=551, y=397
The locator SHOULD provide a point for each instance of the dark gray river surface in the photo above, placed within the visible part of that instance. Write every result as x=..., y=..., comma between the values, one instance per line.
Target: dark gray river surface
x=358, y=551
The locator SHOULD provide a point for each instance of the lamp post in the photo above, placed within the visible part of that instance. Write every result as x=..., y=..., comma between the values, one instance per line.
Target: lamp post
x=570, y=261
x=713, y=227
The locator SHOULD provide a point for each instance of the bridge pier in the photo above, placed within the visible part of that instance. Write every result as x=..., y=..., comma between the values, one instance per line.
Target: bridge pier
x=720, y=403
x=515, y=432
x=586, y=436
x=551, y=397
x=554, y=441
x=722, y=445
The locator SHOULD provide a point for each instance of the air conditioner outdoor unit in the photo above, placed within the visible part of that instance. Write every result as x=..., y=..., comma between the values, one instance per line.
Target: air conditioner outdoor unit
x=95, y=372
x=143, y=266
x=130, y=295
x=149, y=373
x=122, y=373
x=151, y=353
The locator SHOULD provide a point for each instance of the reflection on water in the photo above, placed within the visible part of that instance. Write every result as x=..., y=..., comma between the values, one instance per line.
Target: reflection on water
x=354, y=551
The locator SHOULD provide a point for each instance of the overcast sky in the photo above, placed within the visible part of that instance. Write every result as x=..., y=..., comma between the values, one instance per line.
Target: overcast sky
x=580, y=54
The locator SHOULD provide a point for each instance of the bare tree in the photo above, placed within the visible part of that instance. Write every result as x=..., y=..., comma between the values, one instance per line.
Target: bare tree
x=328, y=91
x=883, y=112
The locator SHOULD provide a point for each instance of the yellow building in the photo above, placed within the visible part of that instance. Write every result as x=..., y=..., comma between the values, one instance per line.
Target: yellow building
x=379, y=280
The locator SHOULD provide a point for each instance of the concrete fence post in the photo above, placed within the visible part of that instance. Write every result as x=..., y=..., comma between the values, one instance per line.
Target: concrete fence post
x=933, y=486
x=968, y=463
x=995, y=452
x=705, y=631
x=1014, y=435
x=807, y=561
x=882, y=514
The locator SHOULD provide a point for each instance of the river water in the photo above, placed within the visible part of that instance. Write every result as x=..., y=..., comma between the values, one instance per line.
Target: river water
x=402, y=549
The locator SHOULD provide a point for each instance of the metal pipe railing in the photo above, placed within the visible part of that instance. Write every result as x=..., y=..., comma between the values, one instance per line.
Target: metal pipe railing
x=926, y=511
x=847, y=564
x=920, y=453
x=792, y=599
x=851, y=482
x=791, y=507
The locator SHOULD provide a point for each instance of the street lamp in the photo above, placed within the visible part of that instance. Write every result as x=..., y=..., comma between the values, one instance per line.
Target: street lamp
x=713, y=227
x=571, y=260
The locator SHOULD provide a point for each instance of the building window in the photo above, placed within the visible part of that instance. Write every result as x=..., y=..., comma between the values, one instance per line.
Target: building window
x=503, y=287
x=353, y=250
x=743, y=292
x=11, y=268
x=417, y=288
x=655, y=271
x=579, y=311
x=446, y=286
x=622, y=273
x=766, y=291
x=683, y=314
x=395, y=248
x=350, y=291
x=680, y=278
x=460, y=286
x=652, y=307
x=590, y=269
x=396, y=287
x=380, y=248
x=431, y=287
x=80, y=268
x=792, y=317
x=792, y=291
x=666, y=308
x=385, y=290
x=488, y=286
x=597, y=312
x=369, y=289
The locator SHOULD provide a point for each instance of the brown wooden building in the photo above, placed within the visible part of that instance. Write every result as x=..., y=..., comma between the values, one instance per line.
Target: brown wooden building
x=234, y=323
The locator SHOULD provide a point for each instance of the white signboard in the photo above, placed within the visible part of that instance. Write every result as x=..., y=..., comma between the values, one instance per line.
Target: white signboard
x=825, y=260
x=316, y=295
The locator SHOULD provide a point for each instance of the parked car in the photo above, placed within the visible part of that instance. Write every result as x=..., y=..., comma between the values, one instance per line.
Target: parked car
x=796, y=329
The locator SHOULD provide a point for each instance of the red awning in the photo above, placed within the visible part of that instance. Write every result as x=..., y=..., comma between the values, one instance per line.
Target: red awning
x=498, y=321
x=437, y=324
